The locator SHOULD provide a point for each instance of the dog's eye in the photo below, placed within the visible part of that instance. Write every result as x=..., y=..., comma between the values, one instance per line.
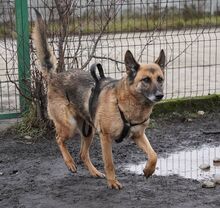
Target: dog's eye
x=146, y=80
x=159, y=79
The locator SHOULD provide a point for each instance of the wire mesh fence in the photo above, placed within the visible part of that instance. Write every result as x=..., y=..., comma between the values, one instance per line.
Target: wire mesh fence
x=9, y=97
x=84, y=32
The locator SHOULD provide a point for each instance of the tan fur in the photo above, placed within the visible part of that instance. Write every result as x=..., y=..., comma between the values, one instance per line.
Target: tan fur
x=109, y=122
x=133, y=94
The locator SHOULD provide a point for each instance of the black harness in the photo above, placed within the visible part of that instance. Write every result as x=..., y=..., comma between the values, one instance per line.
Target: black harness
x=87, y=126
x=127, y=126
x=95, y=91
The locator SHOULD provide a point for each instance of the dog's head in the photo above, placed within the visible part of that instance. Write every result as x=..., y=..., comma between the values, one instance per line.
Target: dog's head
x=146, y=80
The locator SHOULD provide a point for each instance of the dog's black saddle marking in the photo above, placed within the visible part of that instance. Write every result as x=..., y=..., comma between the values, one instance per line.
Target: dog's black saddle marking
x=127, y=126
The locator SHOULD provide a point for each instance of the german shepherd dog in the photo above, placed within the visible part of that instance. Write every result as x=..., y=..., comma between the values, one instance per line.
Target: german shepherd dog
x=122, y=108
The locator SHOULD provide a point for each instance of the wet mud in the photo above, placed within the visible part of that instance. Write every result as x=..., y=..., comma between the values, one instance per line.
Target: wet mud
x=33, y=174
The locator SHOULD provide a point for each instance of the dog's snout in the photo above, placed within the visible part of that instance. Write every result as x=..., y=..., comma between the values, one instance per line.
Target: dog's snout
x=159, y=95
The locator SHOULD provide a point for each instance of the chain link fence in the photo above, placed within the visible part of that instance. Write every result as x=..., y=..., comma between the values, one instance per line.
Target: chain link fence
x=84, y=32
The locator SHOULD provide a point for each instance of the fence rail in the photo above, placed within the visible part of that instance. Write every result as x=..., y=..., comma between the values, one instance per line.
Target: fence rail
x=84, y=32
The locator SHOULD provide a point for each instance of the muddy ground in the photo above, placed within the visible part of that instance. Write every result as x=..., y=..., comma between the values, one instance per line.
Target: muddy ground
x=34, y=174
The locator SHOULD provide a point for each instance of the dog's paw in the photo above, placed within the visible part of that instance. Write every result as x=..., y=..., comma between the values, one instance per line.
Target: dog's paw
x=71, y=166
x=97, y=174
x=148, y=172
x=114, y=184
x=100, y=175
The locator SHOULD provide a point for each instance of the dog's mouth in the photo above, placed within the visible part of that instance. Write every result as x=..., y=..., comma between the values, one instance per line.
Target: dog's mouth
x=154, y=98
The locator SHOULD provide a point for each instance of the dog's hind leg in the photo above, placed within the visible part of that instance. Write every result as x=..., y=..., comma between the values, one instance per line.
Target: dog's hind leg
x=85, y=157
x=63, y=134
x=144, y=144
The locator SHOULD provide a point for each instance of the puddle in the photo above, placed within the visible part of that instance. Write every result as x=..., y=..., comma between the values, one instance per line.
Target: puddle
x=184, y=163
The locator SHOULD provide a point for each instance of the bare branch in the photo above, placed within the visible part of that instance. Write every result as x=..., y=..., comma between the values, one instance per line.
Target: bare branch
x=184, y=50
x=63, y=8
x=110, y=59
x=150, y=39
x=86, y=5
x=79, y=45
x=109, y=17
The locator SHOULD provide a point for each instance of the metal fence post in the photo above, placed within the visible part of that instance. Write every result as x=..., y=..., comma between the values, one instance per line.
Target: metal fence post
x=23, y=53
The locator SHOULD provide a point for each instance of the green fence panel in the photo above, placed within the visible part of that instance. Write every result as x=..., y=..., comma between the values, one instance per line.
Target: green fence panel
x=23, y=58
x=23, y=53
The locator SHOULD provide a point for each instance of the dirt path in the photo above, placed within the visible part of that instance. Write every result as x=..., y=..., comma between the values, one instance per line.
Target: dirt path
x=34, y=175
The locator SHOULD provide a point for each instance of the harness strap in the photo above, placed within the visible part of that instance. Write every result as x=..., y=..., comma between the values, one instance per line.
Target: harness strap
x=95, y=91
x=127, y=126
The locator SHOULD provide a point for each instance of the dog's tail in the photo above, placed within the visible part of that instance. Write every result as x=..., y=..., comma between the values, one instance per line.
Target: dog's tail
x=45, y=54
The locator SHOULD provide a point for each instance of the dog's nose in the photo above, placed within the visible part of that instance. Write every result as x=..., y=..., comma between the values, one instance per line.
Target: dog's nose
x=159, y=96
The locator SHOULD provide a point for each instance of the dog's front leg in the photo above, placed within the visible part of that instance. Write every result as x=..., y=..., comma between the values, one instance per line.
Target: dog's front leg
x=144, y=144
x=106, y=143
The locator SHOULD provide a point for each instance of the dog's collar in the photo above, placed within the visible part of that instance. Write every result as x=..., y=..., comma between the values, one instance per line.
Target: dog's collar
x=127, y=126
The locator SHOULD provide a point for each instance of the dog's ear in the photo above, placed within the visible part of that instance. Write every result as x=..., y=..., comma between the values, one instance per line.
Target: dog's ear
x=131, y=64
x=161, y=60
